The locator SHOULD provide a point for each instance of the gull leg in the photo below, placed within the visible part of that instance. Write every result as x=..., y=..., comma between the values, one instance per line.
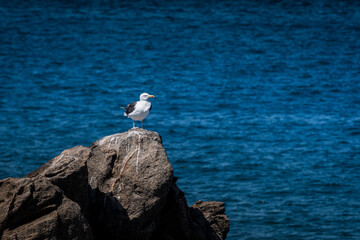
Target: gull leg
x=133, y=123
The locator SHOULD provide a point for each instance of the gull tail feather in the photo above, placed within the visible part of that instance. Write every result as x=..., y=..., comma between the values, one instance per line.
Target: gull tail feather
x=125, y=108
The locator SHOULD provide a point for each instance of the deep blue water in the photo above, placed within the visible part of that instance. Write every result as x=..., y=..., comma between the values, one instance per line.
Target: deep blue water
x=258, y=103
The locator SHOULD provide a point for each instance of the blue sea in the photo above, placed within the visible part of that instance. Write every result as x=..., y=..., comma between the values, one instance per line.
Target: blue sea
x=257, y=102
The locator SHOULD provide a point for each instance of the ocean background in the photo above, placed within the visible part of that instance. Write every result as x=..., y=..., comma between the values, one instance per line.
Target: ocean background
x=257, y=102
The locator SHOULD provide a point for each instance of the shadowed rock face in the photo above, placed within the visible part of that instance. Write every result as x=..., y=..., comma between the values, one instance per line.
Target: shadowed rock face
x=121, y=187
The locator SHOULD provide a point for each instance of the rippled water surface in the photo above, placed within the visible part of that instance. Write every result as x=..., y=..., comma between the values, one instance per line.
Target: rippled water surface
x=258, y=102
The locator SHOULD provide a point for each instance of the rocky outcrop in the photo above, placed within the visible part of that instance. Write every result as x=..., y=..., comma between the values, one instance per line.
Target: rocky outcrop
x=121, y=187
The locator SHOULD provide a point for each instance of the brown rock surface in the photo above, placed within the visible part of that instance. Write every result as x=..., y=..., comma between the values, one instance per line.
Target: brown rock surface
x=121, y=187
x=214, y=213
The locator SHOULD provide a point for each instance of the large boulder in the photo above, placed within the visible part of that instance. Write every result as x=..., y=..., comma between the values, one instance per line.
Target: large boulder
x=130, y=170
x=121, y=187
x=50, y=202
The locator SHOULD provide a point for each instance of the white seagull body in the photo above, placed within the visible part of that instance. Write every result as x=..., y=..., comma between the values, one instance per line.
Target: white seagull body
x=139, y=110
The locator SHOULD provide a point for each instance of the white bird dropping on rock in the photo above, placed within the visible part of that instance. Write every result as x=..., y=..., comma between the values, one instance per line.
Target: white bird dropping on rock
x=139, y=110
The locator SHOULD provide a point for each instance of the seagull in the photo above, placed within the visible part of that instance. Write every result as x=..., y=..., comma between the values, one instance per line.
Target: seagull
x=139, y=110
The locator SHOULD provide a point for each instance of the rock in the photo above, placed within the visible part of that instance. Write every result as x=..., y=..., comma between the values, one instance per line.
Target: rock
x=200, y=221
x=37, y=209
x=69, y=172
x=214, y=213
x=121, y=187
x=136, y=172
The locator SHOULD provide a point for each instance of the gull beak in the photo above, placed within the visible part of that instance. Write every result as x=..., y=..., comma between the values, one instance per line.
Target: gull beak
x=152, y=96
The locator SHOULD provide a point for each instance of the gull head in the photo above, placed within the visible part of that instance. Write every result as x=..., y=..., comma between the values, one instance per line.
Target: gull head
x=145, y=96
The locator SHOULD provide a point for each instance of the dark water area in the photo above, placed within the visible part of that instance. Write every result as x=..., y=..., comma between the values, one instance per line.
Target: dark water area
x=257, y=102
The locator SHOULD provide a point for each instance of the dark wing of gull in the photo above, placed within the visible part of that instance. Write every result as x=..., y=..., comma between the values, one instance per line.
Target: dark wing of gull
x=130, y=108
